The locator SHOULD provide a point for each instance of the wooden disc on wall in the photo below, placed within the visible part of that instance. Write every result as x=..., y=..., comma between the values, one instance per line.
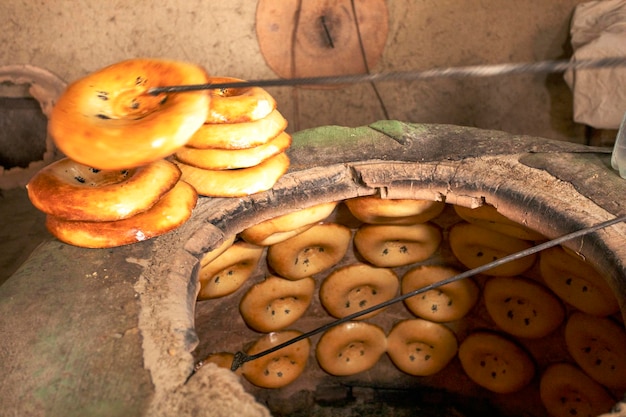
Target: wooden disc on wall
x=313, y=38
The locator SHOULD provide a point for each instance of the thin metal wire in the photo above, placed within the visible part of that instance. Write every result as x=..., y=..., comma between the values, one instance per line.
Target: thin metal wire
x=241, y=357
x=367, y=67
x=292, y=58
x=549, y=66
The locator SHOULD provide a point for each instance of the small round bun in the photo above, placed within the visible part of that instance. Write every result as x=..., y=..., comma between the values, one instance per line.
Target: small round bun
x=376, y=210
x=495, y=362
x=523, y=307
x=313, y=251
x=238, y=104
x=218, y=159
x=421, y=347
x=276, y=303
x=279, y=368
x=567, y=391
x=226, y=273
x=488, y=217
x=447, y=303
x=576, y=282
x=393, y=245
x=238, y=135
x=214, y=253
x=73, y=191
x=476, y=246
x=355, y=287
x=107, y=120
x=236, y=182
x=598, y=345
x=278, y=229
x=350, y=348
x=170, y=212
x=222, y=360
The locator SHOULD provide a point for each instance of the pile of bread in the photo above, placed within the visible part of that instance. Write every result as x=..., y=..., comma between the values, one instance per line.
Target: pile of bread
x=137, y=161
x=394, y=245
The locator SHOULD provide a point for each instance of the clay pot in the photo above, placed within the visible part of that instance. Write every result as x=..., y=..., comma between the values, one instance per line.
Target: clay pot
x=119, y=330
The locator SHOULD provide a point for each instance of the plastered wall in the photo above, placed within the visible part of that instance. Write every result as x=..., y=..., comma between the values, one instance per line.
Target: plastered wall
x=72, y=38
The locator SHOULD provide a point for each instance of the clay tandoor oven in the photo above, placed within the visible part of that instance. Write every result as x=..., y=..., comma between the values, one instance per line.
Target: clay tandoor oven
x=120, y=331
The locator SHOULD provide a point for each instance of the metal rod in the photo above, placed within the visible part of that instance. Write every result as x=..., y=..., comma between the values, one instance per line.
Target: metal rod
x=550, y=66
x=241, y=357
x=329, y=37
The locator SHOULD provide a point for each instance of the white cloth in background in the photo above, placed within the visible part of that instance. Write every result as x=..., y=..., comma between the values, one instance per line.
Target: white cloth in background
x=598, y=30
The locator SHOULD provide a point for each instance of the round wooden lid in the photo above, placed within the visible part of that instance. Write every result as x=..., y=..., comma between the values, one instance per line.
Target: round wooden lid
x=315, y=38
